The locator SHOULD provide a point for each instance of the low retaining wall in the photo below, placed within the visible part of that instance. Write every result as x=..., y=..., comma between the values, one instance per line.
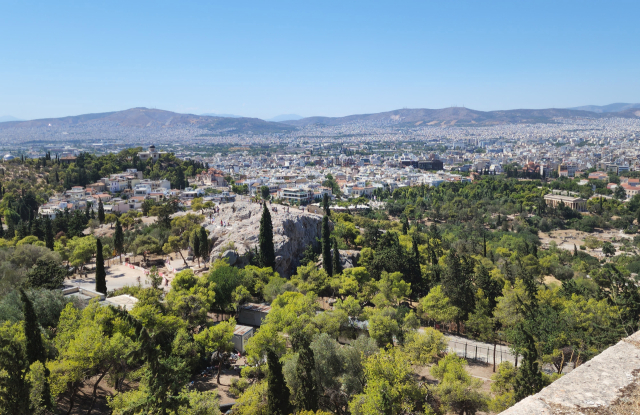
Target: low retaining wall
x=607, y=384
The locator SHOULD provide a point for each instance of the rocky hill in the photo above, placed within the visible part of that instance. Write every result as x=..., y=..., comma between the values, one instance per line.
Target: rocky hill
x=293, y=231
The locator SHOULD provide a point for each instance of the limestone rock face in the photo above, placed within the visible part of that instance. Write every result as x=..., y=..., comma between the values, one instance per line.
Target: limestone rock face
x=348, y=258
x=231, y=256
x=293, y=231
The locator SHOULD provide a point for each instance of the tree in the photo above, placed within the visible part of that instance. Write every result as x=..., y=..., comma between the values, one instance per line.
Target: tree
x=35, y=350
x=528, y=380
x=195, y=245
x=620, y=193
x=608, y=249
x=264, y=192
x=144, y=245
x=390, y=387
x=100, y=211
x=118, y=239
x=265, y=240
x=176, y=244
x=337, y=263
x=457, y=286
x=217, y=340
x=14, y=387
x=502, y=387
x=101, y=275
x=325, y=204
x=326, y=246
x=425, y=347
x=48, y=233
x=437, y=306
x=47, y=273
x=458, y=391
x=81, y=250
x=277, y=391
x=203, y=237
x=306, y=395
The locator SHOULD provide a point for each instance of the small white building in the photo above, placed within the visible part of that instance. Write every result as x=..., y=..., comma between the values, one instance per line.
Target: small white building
x=241, y=335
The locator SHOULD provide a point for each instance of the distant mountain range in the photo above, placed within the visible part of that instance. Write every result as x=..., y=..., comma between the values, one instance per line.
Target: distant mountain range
x=7, y=118
x=221, y=124
x=154, y=118
x=607, y=108
x=464, y=117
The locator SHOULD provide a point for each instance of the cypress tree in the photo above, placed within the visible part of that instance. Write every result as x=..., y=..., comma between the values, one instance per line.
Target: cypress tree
x=118, y=238
x=204, y=243
x=528, y=380
x=34, y=348
x=196, y=246
x=325, y=204
x=484, y=245
x=307, y=394
x=100, y=211
x=277, y=390
x=101, y=275
x=87, y=212
x=337, y=264
x=265, y=240
x=1, y=228
x=326, y=246
x=48, y=233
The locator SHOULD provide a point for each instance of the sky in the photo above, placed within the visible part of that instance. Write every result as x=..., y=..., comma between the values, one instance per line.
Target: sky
x=331, y=58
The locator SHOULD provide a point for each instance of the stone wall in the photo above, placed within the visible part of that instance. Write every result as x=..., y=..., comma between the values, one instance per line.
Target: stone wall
x=606, y=384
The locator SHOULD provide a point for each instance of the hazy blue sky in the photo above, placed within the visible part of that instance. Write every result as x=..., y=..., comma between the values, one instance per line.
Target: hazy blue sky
x=266, y=58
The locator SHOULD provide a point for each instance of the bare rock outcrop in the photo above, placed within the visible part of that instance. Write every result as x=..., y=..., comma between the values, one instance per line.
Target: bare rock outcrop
x=293, y=231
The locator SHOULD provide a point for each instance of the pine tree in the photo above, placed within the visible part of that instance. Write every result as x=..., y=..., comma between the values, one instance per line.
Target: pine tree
x=265, y=240
x=100, y=211
x=337, y=264
x=118, y=238
x=326, y=246
x=307, y=394
x=204, y=243
x=277, y=390
x=101, y=275
x=48, y=233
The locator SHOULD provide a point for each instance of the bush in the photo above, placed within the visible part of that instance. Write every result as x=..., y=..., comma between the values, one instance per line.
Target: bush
x=238, y=386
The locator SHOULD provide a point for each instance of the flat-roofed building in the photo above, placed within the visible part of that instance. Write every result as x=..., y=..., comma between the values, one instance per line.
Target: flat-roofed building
x=241, y=335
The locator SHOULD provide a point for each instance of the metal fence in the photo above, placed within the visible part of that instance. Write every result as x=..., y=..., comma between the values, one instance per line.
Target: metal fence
x=480, y=352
